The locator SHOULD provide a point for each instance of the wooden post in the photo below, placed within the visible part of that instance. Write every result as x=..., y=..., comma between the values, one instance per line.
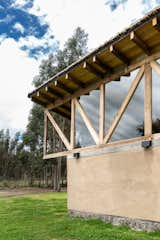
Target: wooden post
x=101, y=113
x=45, y=134
x=148, y=101
x=72, y=132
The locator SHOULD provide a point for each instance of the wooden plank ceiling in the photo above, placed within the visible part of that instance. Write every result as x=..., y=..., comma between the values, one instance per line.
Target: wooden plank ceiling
x=137, y=42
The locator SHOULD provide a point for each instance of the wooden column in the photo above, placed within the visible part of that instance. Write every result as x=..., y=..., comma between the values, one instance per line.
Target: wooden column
x=72, y=133
x=148, y=101
x=101, y=113
x=45, y=134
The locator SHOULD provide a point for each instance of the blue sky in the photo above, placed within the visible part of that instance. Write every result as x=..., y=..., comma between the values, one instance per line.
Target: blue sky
x=31, y=29
x=17, y=22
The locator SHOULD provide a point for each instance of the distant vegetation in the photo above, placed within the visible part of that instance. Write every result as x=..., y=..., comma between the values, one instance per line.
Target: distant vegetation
x=21, y=156
x=155, y=127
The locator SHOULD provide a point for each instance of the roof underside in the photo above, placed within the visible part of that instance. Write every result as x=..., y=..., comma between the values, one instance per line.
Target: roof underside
x=140, y=40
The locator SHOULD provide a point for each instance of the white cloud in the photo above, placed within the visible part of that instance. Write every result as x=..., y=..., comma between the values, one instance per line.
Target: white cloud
x=19, y=27
x=17, y=72
x=19, y=2
x=93, y=16
x=32, y=41
x=65, y=15
x=2, y=37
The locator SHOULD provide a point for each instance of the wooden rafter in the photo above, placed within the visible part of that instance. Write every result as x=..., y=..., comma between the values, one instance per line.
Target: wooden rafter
x=65, y=109
x=101, y=113
x=148, y=101
x=95, y=84
x=156, y=24
x=87, y=121
x=124, y=104
x=140, y=43
x=64, y=87
x=118, y=79
x=62, y=113
x=53, y=91
x=72, y=131
x=93, y=70
x=46, y=96
x=100, y=63
x=74, y=80
x=118, y=54
x=58, y=130
x=61, y=109
x=38, y=101
x=127, y=75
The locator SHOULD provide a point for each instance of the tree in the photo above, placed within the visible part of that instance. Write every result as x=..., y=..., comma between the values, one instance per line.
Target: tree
x=155, y=127
x=74, y=48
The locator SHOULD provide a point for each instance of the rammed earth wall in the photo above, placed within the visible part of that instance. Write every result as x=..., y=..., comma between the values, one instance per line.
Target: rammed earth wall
x=119, y=185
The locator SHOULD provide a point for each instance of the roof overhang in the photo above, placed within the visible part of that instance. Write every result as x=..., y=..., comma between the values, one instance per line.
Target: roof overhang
x=116, y=58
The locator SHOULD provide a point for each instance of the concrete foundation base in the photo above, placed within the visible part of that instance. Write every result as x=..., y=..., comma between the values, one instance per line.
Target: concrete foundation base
x=137, y=224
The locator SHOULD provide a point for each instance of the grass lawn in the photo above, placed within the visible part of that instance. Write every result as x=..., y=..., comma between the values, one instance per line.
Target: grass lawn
x=44, y=217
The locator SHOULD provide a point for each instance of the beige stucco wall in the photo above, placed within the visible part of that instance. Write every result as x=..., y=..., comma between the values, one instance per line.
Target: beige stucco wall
x=124, y=183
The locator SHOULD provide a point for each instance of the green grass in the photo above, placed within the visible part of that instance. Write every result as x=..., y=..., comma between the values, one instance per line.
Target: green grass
x=44, y=217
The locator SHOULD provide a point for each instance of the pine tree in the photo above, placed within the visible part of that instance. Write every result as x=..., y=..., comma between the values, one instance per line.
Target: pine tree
x=74, y=48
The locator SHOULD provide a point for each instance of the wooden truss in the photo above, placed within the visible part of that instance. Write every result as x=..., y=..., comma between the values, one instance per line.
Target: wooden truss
x=101, y=138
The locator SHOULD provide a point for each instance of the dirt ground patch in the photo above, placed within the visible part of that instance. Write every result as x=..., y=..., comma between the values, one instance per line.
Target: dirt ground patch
x=21, y=191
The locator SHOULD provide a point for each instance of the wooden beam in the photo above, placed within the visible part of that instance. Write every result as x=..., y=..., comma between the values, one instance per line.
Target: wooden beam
x=75, y=80
x=58, y=130
x=156, y=24
x=72, y=131
x=118, y=54
x=64, y=87
x=87, y=121
x=101, y=113
x=117, y=80
x=127, y=75
x=62, y=113
x=100, y=63
x=148, y=101
x=53, y=91
x=38, y=101
x=93, y=70
x=46, y=96
x=45, y=134
x=68, y=108
x=155, y=66
x=140, y=43
x=63, y=108
x=108, y=78
x=124, y=104
x=119, y=143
